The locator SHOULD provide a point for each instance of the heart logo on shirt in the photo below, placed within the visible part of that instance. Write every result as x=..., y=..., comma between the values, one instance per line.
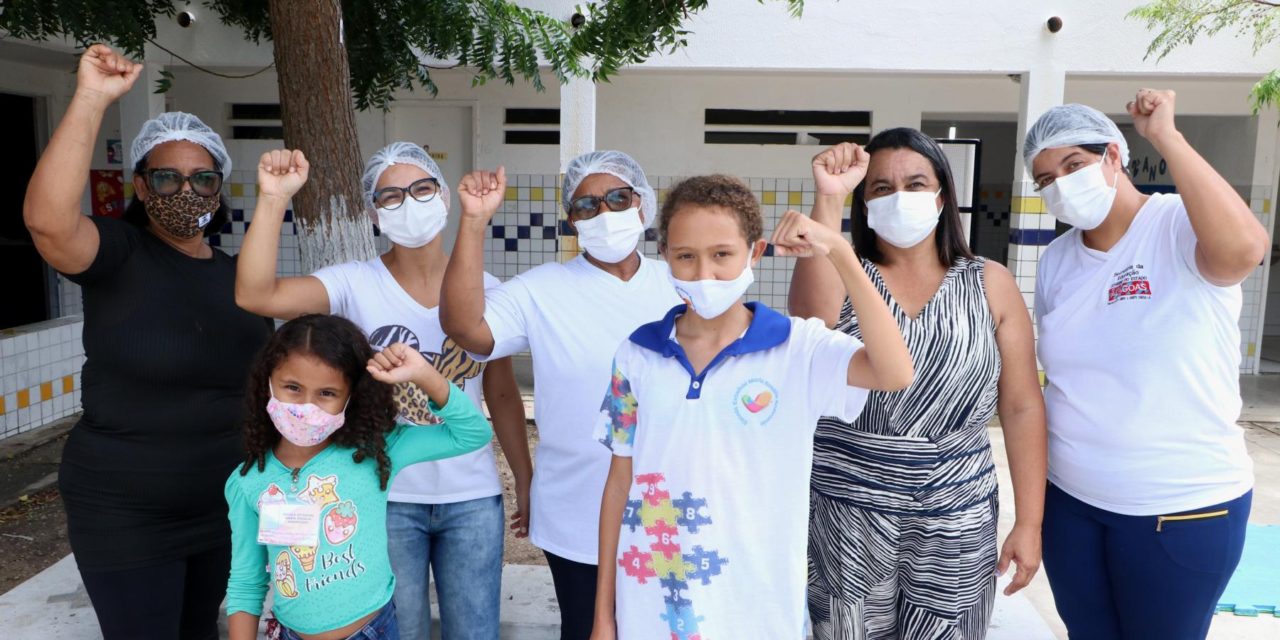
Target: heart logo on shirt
x=760, y=403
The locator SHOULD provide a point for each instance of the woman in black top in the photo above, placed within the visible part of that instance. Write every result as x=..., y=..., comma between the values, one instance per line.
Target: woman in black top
x=167, y=354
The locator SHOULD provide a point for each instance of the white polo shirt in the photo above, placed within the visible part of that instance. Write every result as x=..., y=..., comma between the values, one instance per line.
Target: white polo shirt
x=367, y=294
x=713, y=538
x=571, y=317
x=1142, y=356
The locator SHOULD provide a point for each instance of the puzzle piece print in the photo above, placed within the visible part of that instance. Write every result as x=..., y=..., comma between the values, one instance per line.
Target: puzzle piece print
x=682, y=622
x=665, y=536
x=674, y=586
x=650, y=514
x=704, y=564
x=691, y=516
x=673, y=566
x=631, y=515
x=638, y=564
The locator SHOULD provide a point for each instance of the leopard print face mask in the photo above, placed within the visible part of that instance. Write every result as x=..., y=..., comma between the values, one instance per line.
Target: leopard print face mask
x=183, y=214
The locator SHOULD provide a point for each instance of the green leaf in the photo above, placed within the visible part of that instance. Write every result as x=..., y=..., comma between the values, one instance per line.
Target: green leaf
x=165, y=82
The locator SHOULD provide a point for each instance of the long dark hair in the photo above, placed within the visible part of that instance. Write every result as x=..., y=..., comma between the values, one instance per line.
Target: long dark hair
x=949, y=238
x=136, y=212
x=371, y=412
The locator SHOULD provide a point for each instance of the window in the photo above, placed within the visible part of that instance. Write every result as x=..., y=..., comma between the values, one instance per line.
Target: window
x=788, y=127
x=256, y=122
x=532, y=126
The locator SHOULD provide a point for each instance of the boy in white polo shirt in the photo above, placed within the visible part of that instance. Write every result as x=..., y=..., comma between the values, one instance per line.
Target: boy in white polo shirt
x=710, y=415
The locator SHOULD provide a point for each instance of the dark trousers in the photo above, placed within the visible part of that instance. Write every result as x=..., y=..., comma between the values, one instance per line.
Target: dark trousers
x=175, y=600
x=575, y=584
x=1137, y=577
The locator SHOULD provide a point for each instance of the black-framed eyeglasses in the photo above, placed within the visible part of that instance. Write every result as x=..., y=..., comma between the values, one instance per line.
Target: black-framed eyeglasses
x=423, y=190
x=166, y=182
x=588, y=207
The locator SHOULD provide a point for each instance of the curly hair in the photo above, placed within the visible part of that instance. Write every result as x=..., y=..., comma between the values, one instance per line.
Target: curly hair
x=370, y=414
x=716, y=190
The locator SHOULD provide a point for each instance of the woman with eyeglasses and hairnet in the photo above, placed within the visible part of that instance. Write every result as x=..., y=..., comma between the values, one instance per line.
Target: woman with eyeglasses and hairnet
x=167, y=354
x=571, y=317
x=1150, y=484
x=444, y=518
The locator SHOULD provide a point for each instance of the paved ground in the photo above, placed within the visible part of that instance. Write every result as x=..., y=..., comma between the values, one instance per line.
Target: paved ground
x=53, y=604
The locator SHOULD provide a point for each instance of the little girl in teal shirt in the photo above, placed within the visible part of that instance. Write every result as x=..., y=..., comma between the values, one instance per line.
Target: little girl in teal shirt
x=308, y=507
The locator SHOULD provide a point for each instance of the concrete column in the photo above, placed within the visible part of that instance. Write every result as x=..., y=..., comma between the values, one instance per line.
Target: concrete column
x=1264, y=187
x=1031, y=228
x=577, y=136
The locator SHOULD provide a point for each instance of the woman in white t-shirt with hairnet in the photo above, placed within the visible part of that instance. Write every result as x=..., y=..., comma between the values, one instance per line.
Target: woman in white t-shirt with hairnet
x=571, y=317
x=444, y=518
x=1149, y=480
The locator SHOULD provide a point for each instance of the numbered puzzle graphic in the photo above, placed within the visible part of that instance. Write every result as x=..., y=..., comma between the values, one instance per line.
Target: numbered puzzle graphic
x=668, y=524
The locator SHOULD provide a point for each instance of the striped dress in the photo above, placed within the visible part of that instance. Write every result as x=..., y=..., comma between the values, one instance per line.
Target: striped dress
x=902, y=534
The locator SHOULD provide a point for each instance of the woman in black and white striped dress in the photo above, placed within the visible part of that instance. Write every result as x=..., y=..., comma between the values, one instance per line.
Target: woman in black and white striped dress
x=902, y=538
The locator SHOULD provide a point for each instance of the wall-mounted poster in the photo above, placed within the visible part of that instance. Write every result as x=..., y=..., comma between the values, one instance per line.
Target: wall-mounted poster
x=106, y=189
x=115, y=152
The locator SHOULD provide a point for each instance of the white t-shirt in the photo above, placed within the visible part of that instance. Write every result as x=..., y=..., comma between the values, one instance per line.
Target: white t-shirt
x=713, y=536
x=368, y=295
x=1142, y=356
x=571, y=317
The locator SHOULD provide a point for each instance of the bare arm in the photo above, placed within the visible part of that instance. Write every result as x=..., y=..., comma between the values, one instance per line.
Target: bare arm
x=462, y=293
x=1231, y=241
x=884, y=364
x=1022, y=418
x=612, y=504
x=65, y=238
x=242, y=626
x=816, y=289
x=280, y=174
x=506, y=409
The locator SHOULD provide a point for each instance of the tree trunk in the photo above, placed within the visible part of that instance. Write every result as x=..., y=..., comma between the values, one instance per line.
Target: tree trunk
x=319, y=118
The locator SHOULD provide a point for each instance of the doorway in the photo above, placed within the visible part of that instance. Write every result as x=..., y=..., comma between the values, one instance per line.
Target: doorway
x=27, y=278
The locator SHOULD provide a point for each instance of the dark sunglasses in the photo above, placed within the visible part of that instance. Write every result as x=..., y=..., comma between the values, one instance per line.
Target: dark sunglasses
x=166, y=182
x=588, y=207
x=392, y=197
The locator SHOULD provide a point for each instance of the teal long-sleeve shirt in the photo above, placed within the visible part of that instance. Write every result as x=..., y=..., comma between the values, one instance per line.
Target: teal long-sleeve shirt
x=348, y=574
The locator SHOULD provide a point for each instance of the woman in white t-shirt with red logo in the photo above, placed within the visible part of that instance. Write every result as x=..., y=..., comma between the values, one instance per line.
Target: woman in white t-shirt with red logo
x=1149, y=480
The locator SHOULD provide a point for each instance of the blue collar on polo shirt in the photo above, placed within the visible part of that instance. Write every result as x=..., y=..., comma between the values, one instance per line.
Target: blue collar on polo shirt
x=767, y=330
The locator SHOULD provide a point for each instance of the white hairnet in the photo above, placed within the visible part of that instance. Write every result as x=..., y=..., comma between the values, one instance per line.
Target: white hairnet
x=1072, y=125
x=176, y=125
x=401, y=152
x=614, y=163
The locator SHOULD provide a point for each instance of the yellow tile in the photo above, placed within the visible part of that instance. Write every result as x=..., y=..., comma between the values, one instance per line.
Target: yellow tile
x=1253, y=348
x=535, y=194
x=511, y=193
x=24, y=398
x=257, y=190
x=1266, y=205
x=1, y=405
x=68, y=384
x=1042, y=378
x=1027, y=204
x=237, y=189
x=46, y=391
x=848, y=200
x=128, y=190
x=794, y=198
x=768, y=197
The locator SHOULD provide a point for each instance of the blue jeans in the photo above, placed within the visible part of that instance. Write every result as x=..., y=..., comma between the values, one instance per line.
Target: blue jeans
x=1136, y=577
x=461, y=543
x=381, y=627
